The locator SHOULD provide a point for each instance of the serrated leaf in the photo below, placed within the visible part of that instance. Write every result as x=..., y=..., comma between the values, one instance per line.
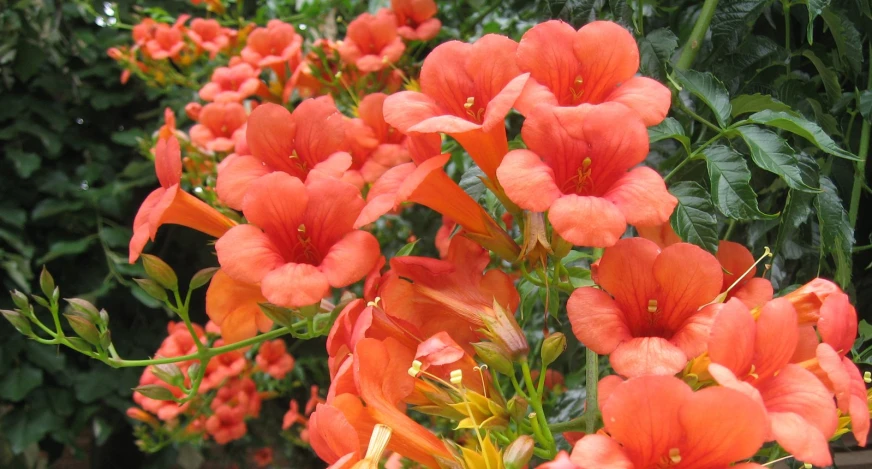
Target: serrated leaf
x=828, y=76
x=802, y=127
x=731, y=184
x=772, y=153
x=796, y=211
x=656, y=49
x=669, y=128
x=748, y=103
x=849, y=43
x=694, y=217
x=471, y=182
x=732, y=20
x=837, y=237
x=709, y=89
x=815, y=8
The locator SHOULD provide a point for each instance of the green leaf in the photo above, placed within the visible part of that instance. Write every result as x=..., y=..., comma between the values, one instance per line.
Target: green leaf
x=18, y=383
x=655, y=50
x=471, y=182
x=848, y=39
x=772, y=153
x=828, y=76
x=733, y=19
x=709, y=89
x=864, y=103
x=747, y=103
x=802, y=127
x=837, y=237
x=25, y=163
x=796, y=211
x=815, y=8
x=25, y=427
x=669, y=128
x=407, y=249
x=51, y=207
x=731, y=184
x=66, y=248
x=694, y=217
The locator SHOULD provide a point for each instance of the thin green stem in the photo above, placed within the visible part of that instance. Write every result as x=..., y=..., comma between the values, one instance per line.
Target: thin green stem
x=591, y=380
x=696, y=116
x=730, y=228
x=860, y=166
x=536, y=402
x=785, y=8
x=693, y=155
x=694, y=42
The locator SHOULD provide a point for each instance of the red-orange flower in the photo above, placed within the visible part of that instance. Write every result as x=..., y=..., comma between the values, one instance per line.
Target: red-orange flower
x=371, y=41
x=170, y=204
x=218, y=122
x=274, y=359
x=312, y=138
x=208, y=35
x=658, y=421
x=578, y=168
x=233, y=306
x=144, y=31
x=595, y=64
x=166, y=43
x=234, y=83
x=415, y=19
x=301, y=241
x=650, y=318
x=276, y=46
x=736, y=261
x=752, y=357
x=809, y=298
x=376, y=146
x=466, y=92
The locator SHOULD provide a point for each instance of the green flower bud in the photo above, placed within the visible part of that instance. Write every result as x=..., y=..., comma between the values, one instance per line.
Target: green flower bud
x=519, y=452
x=552, y=347
x=160, y=272
x=495, y=357
x=152, y=288
x=46, y=282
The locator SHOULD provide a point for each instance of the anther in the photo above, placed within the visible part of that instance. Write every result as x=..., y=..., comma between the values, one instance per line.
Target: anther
x=586, y=163
x=652, y=306
x=456, y=377
x=867, y=377
x=301, y=228
x=674, y=456
x=415, y=369
x=470, y=101
x=374, y=302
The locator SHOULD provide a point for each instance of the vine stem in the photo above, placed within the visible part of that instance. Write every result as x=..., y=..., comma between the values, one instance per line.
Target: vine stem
x=591, y=378
x=694, y=42
x=860, y=166
x=536, y=402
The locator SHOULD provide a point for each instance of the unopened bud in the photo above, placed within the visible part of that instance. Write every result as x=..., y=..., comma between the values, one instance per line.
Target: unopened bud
x=152, y=288
x=495, y=357
x=278, y=315
x=104, y=317
x=202, y=277
x=84, y=328
x=192, y=110
x=79, y=344
x=160, y=272
x=105, y=339
x=155, y=391
x=20, y=300
x=169, y=373
x=194, y=370
x=519, y=452
x=84, y=308
x=18, y=320
x=504, y=330
x=517, y=407
x=46, y=282
x=552, y=347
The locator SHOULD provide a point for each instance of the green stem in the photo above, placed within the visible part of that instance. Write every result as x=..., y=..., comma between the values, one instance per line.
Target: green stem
x=578, y=424
x=730, y=228
x=591, y=380
x=694, y=42
x=785, y=8
x=536, y=402
x=695, y=153
x=860, y=166
x=696, y=116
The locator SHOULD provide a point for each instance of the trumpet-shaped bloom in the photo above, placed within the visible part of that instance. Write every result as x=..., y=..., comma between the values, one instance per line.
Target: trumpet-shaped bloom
x=218, y=122
x=376, y=146
x=578, y=168
x=427, y=184
x=809, y=298
x=752, y=357
x=736, y=261
x=170, y=204
x=234, y=83
x=650, y=316
x=658, y=422
x=301, y=241
x=593, y=65
x=144, y=31
x=843, y=378
x=415, y=19
x=276, y=46
x=233, y=307
x=165, y=43
x=294, y=144
x=273, y=358
x=371, y=42
x=466, y=92
x=208, y=35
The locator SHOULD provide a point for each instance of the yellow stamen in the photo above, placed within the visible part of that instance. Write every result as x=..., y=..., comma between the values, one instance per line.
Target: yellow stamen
x=378, y=443
x=652, y=306
x=415, y=369
x=867, y=377
x=470, y=101
x=723, y=296
x=374, y=303
x=457, y=377
x=674, y=456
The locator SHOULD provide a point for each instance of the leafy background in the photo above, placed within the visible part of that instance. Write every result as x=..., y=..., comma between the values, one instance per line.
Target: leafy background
x=74, y=174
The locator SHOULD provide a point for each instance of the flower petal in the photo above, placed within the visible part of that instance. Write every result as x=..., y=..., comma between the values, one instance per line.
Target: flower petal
x=838, y=323
x=235, y=175
x=599, y=451
x=233, y=306
x=649, y=98
x=528, y=181
x=587, y=221
x=642, y=197
x=596, y=320
x=247, y=254
x=605, y=68
x=778, y=336
x=689, y=277
x=647, y=356
x=295, y=285
x=350, y=259
x=733, y=333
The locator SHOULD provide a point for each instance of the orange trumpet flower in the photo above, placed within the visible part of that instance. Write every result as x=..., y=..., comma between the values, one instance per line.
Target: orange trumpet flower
x=371, y=41
x=415, y=19
x=170, y=204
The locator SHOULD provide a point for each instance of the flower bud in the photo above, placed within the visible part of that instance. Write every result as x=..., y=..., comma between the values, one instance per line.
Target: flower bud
x=152, y=288
x=519, y=452
x=105, y=339
x=20, y=300
x=84, y=309
x=536, y=247
x=552, y=347
x=517, y=407
x=84, y=328
x=278, y=315
x=18, y=320
x=202, y=277
x=495, y=357
x=79, y=344
x=505, y=331
x=160, y=272
x=104, y=318
x=192, y=110
x=155, y=391
x=193, y=370
x=46, y=283
x=169, y=373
